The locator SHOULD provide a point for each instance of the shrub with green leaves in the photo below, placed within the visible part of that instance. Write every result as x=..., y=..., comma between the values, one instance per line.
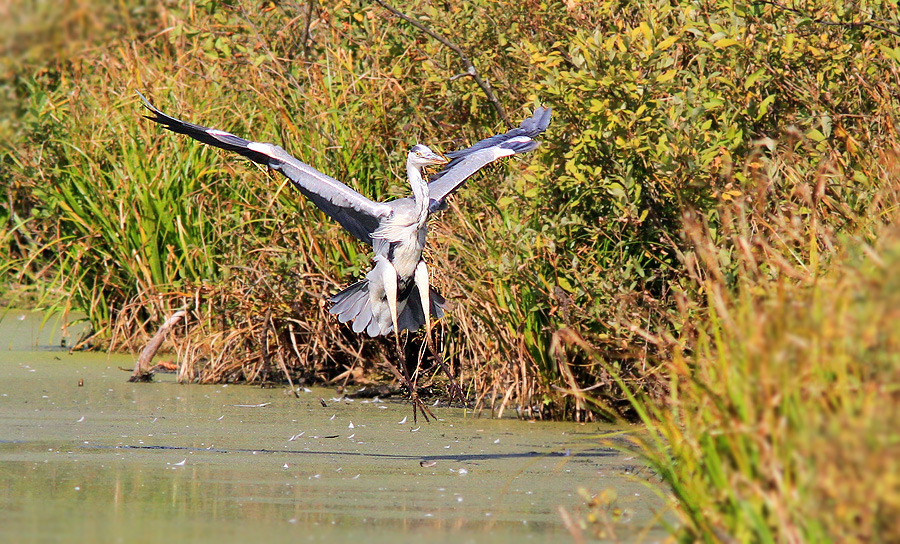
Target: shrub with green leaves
x=661, y=108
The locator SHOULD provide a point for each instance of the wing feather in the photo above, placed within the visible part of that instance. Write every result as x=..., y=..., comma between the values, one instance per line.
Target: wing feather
x=466, y=162
x=356, y=213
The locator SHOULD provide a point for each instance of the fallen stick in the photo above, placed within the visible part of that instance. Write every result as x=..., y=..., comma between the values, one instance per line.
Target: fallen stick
x=142, y=372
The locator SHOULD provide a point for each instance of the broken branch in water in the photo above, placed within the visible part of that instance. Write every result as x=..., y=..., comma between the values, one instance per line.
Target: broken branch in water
x=142, y=367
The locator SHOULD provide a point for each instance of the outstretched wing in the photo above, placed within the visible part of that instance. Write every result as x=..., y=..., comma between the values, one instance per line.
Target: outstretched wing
x=356, y=213
x=466, y=162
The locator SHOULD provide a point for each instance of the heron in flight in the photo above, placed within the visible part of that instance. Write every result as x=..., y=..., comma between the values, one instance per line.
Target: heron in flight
x=395, y=292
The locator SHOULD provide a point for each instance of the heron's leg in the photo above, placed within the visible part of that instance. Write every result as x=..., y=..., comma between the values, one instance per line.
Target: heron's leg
x=389, y=280
x=421, y=278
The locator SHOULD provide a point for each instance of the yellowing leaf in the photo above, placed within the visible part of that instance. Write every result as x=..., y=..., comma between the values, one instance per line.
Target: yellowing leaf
x=645, y=30
x=789, y=43
x=667, y=43
x=764, y=106
x=725, y=42
x=754, y=77
x=668, y=76
x=815, y=135
x=564, y=283
x=891, y=53
x=610, y=42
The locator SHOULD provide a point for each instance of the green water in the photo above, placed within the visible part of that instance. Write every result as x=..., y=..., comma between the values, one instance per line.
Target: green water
x=87, y=457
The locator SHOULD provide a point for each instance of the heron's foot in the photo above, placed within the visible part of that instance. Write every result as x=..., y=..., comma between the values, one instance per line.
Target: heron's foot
x=455, y=391
x=419, y=406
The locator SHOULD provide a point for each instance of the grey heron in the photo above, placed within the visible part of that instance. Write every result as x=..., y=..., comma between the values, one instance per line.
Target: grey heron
x=394, y=293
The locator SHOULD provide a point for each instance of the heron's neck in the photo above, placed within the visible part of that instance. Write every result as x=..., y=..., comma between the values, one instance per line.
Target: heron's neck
x=420, y=191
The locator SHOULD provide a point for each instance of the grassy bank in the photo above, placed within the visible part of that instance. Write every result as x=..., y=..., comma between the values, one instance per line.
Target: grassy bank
x=781, y=422
x=658, y=108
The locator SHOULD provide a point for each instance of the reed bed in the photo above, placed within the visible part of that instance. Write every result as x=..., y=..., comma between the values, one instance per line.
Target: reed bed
x=780, y=419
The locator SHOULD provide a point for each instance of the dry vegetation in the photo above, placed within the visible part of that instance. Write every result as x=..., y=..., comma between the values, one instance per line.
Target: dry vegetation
x=780, y=421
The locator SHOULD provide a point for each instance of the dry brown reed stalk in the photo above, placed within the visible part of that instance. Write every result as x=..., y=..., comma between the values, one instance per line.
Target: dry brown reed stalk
x=490, y=355
x=260, y=326
x=787, y=346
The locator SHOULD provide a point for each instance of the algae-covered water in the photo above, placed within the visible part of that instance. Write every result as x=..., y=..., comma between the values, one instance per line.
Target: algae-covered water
x=87, y=457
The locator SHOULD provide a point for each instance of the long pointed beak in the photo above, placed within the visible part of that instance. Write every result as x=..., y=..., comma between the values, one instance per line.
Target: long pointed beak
x=437, y=158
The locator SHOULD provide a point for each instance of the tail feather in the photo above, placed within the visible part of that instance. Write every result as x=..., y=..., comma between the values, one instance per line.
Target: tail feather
x=345, y=302
x=437, y=303
x=362, y=320
x=411, y=316
x=375, y=329
x=362, y=300
x=353, y=304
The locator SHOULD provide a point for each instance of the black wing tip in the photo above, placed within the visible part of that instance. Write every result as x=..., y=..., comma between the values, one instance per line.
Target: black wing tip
x=171, y=123
x=168, y=123
x=538, y=122
x=158, y=116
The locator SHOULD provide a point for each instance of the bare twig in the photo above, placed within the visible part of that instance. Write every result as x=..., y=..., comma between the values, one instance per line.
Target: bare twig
x=142, y=367
x=470, y=68
x=310, y=10
x=825, y=22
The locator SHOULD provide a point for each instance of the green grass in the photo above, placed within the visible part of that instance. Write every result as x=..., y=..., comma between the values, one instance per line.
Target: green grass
x=781, y=420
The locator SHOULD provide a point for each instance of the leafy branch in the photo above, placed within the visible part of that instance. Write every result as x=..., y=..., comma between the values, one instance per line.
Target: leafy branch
x=470, y=68
x=826, y=22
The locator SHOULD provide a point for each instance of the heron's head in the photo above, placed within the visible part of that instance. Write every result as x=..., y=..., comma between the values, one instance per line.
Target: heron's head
x=420, y=156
